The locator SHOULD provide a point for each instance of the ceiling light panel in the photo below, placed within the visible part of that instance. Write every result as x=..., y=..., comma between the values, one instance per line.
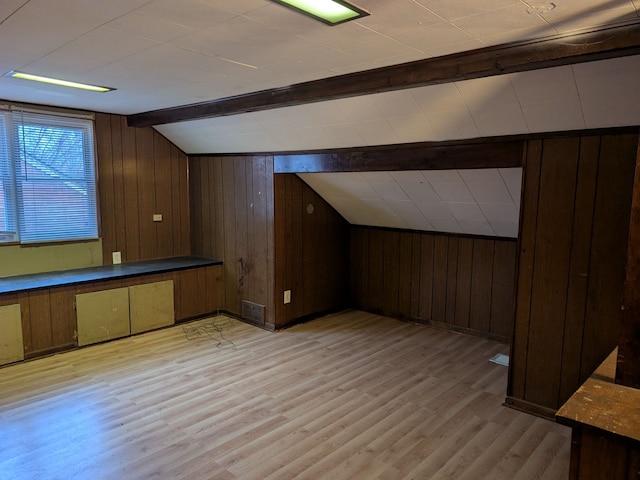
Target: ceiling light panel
x=57, y=81
x=331, y=12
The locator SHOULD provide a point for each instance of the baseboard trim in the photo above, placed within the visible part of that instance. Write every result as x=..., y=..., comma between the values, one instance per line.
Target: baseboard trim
x=531, y=408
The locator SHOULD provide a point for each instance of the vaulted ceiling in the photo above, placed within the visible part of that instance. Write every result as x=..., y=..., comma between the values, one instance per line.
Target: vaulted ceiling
x=160, y=54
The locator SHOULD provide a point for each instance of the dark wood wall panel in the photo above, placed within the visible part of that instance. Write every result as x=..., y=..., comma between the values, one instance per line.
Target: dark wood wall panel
x=312, y=253
x=140, y=173
x=574, y=227
x=232, y=220
x=462, y=283
x=550, y=271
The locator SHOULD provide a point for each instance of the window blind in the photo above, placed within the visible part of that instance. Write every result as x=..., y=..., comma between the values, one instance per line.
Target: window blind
x=8, y=227
x=54, y=171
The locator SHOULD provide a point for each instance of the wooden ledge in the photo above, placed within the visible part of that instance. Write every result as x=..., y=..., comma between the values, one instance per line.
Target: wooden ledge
x=601, y=403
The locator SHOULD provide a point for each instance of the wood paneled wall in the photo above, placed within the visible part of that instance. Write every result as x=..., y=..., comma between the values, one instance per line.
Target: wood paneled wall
x=140, y=173
x=574, y=228
x=458, y=282
x=49, y=316
x=311, y=252
x=232, y=220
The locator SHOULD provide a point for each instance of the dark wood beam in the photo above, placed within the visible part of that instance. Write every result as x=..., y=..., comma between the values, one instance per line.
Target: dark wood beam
x=628, y=367
x=609, y=42
x=421, y=156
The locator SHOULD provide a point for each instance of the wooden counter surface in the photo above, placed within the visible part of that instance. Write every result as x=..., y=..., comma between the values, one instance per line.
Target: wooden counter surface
x=602, y=404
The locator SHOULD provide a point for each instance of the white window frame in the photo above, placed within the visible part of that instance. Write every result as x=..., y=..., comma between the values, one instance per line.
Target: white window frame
x=46, y=198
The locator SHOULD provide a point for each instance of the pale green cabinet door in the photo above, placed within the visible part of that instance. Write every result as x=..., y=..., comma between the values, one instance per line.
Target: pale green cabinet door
x=11, y=346
x=151, y=306
x=102, y=315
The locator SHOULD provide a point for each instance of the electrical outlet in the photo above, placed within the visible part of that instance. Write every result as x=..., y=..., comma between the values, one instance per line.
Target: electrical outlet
x=117, y=258
x=287, y=296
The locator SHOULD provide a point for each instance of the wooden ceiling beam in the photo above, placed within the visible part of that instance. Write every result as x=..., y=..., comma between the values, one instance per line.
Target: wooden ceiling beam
x=598, y=44
x=419, y=156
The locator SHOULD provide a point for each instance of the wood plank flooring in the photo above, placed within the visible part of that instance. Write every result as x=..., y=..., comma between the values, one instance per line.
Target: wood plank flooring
x=349, y=396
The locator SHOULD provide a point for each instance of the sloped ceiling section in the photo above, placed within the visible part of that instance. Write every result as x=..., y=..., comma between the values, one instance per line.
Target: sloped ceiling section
x=478, y=202
x=574, y=97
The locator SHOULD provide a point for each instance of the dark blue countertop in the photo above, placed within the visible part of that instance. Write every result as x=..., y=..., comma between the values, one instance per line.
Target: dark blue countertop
x=75, y=276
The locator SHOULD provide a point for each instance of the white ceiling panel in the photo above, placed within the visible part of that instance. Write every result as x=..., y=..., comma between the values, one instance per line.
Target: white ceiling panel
x=164, y=53
x=486, y=185
x=399, y=103
x=150, y=26
x=453, y=124
x=376, y=132
x=512, y=18
x=478, y=202
x=415, y=128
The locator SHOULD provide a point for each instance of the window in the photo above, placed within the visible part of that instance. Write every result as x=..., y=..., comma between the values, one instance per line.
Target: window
x=47, y=178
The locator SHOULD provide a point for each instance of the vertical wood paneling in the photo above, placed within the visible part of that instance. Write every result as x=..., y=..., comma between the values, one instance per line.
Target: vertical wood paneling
x=312, y=252
x=242, y=255
x=390, y=257
x=63, y=316
x=503, y=288
x=356, y=287
x=105, y=183
x=259, y=221
x=163, y=196
x=40, y=320
x=415, y=270
x=140, y=173
x=526, y=258
x=481, y=285
x=311, y=295
x=131, y=213
x=118, y=189
x=628, y=362
x=463, y=282
x=439, y=293
x=233, y=220
x=574, y=229
x=231, y=278
x=279, y=186
x=270, y=221
x=427, y=277
x=452, y=280
x=295, y=252
x=376, y=270
x=579, y=265
x=200, y=233
x=606, y=278
x=405, y=277
x=249, y=262
x=145, y=167
x=550, y=273
x=180, y=214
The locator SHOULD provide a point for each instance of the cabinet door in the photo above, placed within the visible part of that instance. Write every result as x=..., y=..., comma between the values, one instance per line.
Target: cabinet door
x=151, y=306
x=11, y=346
x=102, y=315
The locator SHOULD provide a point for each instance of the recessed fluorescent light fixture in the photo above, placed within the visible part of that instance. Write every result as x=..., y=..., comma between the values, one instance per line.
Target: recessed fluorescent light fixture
x=331, y=12
x=55, y=81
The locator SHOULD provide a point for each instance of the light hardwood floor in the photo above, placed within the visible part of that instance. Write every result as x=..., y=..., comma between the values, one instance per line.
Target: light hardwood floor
x=350, y=396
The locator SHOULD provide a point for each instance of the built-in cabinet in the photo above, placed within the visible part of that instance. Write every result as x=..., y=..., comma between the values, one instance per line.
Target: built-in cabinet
x=48, y=317
x=120, y=312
